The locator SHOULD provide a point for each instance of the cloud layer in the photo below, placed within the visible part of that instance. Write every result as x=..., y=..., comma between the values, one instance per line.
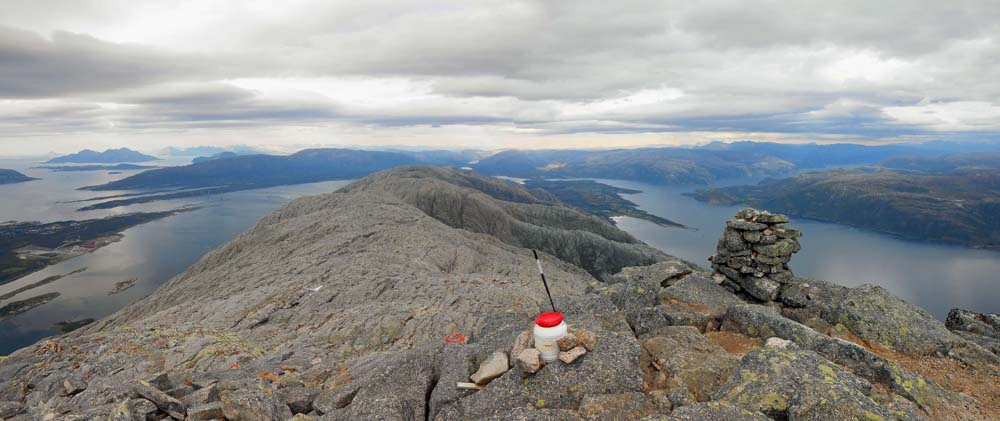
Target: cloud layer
x=496, y=74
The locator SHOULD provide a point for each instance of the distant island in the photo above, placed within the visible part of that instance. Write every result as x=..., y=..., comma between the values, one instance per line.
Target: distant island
x=220, y=155
x=26, y=247
x=598, y=199
x=959, y=206
x=11, y=177
x=74, y=168
x=110, y=156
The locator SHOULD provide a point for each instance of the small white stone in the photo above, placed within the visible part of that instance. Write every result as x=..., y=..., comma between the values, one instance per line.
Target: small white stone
x=778, y=343
x=493, y=367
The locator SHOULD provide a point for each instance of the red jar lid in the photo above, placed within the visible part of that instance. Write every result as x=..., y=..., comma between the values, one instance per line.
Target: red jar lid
x=549, y=319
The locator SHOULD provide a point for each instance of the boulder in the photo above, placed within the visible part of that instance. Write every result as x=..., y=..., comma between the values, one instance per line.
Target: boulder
x=568, y=357
x=529, y=361
x=587, y=338
x=524, y=341
x=701, y=293
x=763, y=322
x=568, y=342
x=202, y=396
x=163, y=401
x=664, y=273
x=983, y=329
x=74, y=384
x=784, y=384
x=494, y=366
x=10, y=409
x=332, y=400
x=254, y=405
x=783, y=247
x=744, y=225
x=877, y=316
x=684, y=354
x=208, y=411
x=761, y=288
x=299, y=399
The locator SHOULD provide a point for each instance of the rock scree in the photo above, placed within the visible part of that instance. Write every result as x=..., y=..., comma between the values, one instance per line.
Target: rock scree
x=338, y=307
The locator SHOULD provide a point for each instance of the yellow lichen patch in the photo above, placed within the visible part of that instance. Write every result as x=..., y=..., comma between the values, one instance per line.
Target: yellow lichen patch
x=829, y=376
x=871, y=416
x=774, y=400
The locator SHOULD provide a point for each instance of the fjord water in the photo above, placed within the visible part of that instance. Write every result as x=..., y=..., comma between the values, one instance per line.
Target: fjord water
x=934, y=276
x=153, y=252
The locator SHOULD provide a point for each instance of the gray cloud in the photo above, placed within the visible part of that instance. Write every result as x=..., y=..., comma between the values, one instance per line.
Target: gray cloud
x=864, y=69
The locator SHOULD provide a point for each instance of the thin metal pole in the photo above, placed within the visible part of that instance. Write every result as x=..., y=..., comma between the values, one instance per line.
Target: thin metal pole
x=540, y=272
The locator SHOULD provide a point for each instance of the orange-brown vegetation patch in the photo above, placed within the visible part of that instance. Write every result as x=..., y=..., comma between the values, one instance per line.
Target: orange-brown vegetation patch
x=983, y=385
x=735, y=343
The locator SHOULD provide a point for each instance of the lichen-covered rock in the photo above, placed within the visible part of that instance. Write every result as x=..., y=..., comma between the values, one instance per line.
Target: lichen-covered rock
x=787, y=384
x=983, y=329
x=623, y=406
x=683, y=353
x=715, y=411
x=877, y=316
x=664, y=273
x=698, y=291
x=763, y=322
x=761, y=288
x=783, y=247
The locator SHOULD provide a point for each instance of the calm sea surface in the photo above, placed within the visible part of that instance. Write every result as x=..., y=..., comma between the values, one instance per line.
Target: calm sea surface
x=937, y=277
x=152, y=252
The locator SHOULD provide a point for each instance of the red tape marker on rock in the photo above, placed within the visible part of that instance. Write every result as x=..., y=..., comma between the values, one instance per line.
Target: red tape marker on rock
x=454, y=338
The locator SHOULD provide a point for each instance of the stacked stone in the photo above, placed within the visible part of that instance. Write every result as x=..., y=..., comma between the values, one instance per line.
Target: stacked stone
x=753, y=254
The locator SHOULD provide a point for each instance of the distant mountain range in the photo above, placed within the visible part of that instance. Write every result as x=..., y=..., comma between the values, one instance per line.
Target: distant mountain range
x=960, y=206
x=208, y=151
x=255, y=171
x=110, y=156
x=11, y=177
x=700, y=165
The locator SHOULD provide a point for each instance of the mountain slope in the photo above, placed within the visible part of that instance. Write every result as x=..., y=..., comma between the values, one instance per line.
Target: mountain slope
x=11, y=177
x=374, y=301
x=960, y=206
x=253, y=171
x=110, y=156
x=652, y=165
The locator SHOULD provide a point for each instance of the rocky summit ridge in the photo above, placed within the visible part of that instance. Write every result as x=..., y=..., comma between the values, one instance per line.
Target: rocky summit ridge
x=377, y=300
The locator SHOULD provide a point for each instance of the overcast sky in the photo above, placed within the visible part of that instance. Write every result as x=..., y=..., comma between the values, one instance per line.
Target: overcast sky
x=478, y=74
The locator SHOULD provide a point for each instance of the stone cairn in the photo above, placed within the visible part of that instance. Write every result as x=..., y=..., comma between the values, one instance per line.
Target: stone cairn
x=753, y=254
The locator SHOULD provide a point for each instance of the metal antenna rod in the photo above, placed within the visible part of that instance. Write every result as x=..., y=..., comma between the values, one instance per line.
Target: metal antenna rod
x=540, y=272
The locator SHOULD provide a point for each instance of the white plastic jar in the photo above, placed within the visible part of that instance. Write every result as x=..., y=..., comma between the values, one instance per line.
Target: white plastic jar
x=549, y=327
